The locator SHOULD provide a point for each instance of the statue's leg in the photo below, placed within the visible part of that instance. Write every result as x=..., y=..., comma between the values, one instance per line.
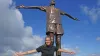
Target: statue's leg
x=59, y=33
x=50, y=31
x=58, y=44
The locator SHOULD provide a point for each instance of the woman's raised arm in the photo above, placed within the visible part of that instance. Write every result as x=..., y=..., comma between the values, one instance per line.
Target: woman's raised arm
x=66, y=51
x=24, y=53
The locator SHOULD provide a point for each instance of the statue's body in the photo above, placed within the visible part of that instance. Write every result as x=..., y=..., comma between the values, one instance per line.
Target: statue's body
x=53, y=15
x=53, y=20
x=54, y=26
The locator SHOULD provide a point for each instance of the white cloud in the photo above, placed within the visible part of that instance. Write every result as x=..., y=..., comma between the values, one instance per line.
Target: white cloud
x=93, y=13
x=13, y=35
x=98, y=3
x=98, y=38
x=32, y=42
x=94, y=54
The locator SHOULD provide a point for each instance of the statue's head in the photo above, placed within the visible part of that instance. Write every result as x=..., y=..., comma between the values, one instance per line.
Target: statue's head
x=52, y=3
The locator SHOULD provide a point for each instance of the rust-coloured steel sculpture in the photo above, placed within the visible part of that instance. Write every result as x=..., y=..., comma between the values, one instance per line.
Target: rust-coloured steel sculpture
x=53, y=25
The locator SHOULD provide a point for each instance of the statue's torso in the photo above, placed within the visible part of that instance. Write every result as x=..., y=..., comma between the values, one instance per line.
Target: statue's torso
x=53, y=15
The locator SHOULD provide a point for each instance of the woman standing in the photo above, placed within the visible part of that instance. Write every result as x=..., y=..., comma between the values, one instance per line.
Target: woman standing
x=47, y=49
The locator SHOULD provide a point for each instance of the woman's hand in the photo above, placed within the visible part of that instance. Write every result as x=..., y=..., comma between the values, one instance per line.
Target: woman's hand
x=66, y=51
x=18, y=54
x=71, y=52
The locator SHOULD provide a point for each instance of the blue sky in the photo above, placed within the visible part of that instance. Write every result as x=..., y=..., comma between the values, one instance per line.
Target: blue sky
x=84, y=34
